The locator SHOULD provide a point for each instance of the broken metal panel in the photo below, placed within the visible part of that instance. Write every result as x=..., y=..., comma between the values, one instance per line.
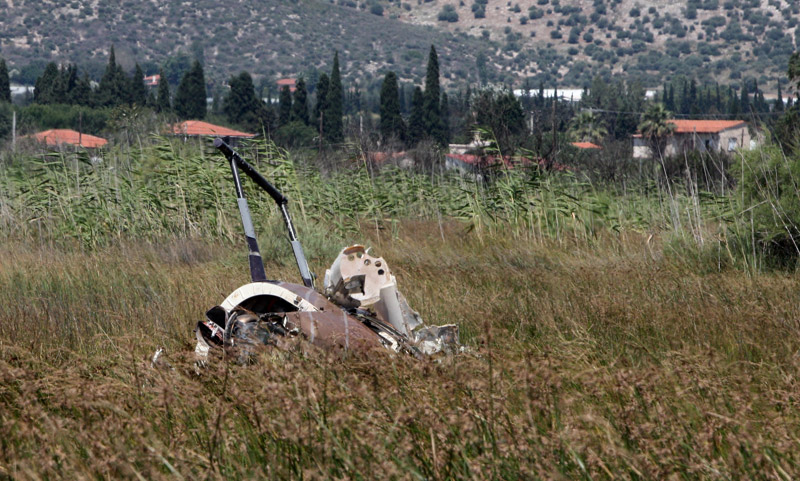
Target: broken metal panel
x=335, y=330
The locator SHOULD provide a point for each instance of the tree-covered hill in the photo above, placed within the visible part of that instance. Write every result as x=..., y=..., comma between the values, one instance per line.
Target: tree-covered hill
x=570, y=41
x=567, y=42
x=269, y=38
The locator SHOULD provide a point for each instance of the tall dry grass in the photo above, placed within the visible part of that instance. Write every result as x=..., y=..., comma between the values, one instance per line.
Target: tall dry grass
x=614, y=359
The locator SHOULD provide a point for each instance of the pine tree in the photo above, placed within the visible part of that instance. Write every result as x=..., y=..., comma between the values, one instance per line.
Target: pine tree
x=190, y=98
x=416, y=122
x=284, y=106
x=391, y=124
x=322, y=101
x=137, y=88
x=332, y=119
x=300, y=102
x=432, y=118
x=5, y=85
x=163, y=104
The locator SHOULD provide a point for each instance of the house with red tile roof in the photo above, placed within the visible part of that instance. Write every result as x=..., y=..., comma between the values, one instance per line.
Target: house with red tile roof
x=61, y=137
x=287, y=82
x=198, y=128
x=700, y=136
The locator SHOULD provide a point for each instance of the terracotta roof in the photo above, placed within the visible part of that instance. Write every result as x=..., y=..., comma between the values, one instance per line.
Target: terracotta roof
x=288, y=82
x=586, y=145
x=204, y=129
x=704, y=126
x=56, y=137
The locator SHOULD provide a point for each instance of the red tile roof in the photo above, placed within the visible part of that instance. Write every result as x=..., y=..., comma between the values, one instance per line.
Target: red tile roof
x=704, y=126
x=56, y=137
x=204, y=129
x=586, y=145
x=287, y=82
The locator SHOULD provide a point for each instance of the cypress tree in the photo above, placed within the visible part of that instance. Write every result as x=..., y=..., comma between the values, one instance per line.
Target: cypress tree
x=734, y=106
x=333, y=111
x=113, y=89
x=416, y=122
x=671, y=99
x=694, y=107
x=391, y=122
x=744, y=101
x=70, y=76
x=686, y=105
x=445, y=115
x=432, y=118
x=43, y=91
x=300, y=102
x=322, y=100
x=5, y=84
x=163, y=104
x=284, y=106
x=778, y=107
x=190, y=98
x=137, y=88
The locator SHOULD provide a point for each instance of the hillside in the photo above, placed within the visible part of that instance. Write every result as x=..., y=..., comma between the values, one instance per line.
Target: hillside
x=265, y=37
x=573, y=40
x=553, y=41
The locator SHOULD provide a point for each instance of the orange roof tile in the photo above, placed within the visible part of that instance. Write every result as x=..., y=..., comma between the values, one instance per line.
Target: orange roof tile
x=586, y=145
x=56, y=137
x=204, y=129
x=684, y=126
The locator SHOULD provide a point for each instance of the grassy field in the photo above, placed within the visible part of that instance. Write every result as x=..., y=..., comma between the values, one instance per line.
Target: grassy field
x=603, y=350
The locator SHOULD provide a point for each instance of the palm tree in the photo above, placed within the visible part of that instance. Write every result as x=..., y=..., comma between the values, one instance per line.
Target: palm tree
x=656, y=127
x=586, y=127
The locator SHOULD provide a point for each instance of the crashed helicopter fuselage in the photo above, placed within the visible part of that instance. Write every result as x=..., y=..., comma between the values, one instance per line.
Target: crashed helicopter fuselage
x=360, y=308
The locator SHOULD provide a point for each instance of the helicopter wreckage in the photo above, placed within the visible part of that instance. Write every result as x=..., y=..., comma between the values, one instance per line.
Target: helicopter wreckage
x=358, y=309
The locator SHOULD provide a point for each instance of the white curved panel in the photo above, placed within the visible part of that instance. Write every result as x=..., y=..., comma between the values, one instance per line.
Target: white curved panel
x=265, y=289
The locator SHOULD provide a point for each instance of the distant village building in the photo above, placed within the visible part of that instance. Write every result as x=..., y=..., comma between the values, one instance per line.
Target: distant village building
x=152, y=80
x=700, y=136
x=198, y=128
x=287, y=82
x=61, y=137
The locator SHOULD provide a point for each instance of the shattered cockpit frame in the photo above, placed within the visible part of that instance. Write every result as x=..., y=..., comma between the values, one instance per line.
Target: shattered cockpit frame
x=359, y=308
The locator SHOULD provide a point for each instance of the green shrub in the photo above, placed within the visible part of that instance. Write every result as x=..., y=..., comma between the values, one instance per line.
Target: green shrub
x=769, y=219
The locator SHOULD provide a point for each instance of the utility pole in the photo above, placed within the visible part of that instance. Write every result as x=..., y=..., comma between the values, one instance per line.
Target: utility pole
x=14, y=130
